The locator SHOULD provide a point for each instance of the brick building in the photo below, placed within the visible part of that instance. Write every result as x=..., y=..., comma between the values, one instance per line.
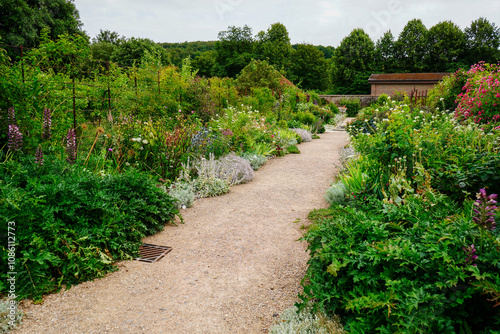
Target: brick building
x=388, y=83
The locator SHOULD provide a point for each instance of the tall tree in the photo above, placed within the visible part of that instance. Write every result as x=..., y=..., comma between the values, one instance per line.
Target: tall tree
x=353, y=62
x=446, y=47
x=104, y=44
x=386, y=52
x=234, y=50
x=133, y=50
x=309, y=68
x=205, y=63
x=411, y=47
x=482, y=41
x=274, y=46
x=22, y=21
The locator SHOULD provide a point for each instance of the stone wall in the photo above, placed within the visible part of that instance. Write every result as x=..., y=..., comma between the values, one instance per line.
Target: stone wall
x=366, y=100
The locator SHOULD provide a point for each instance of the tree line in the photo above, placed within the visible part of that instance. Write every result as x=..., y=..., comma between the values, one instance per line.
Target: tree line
x=344, y=69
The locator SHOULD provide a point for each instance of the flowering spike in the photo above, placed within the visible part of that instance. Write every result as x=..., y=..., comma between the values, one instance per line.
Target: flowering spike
x=15, y=138
x=47, y=123
x=71, y=146
x=39, y=156
x=484, y=211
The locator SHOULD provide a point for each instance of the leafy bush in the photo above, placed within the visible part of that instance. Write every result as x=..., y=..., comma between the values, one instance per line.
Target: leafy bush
x=293, y=149
x=255, y=160
x=444, y=94
x=353, y=106
x=462, y=158
x=420, y=267
x=285, y=138
x=333, y=108
x=72, y=224
x=383, y=99
x=305, y=117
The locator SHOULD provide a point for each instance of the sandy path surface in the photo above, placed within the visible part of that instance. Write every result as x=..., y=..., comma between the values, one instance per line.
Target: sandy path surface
x=235, y=264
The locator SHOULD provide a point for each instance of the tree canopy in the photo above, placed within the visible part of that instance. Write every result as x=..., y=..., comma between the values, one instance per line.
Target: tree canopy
x=22, y=21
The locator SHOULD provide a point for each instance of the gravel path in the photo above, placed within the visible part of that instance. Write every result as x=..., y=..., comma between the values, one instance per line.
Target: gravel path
x=235, y=264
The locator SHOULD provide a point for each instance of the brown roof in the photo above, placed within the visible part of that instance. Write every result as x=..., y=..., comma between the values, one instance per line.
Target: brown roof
x=407, y=77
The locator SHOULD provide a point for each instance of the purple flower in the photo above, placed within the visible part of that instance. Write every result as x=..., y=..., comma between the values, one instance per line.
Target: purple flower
x=471, y=256
x=110, y=149
x=484, y=210
x=15, y=138
x=71, y=146
x=39, y=156
x=47, y=123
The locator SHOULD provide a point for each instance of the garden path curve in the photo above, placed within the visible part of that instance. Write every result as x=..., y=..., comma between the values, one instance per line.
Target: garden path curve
x=235, y=264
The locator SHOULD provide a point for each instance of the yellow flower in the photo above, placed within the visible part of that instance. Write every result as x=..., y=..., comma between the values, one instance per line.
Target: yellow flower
x=100, y=130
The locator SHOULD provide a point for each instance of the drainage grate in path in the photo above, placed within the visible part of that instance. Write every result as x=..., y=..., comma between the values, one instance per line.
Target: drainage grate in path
x=152, y=253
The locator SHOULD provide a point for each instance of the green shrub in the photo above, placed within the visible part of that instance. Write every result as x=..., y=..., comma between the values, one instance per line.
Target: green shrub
x=383, y=99
x=353, y=106
x=305, y=117
x=333, y=108
x=461, y=158
x=404, y=268
x=293, y=149
x=72, y=225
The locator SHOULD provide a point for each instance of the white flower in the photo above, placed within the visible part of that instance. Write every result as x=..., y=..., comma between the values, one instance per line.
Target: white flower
x=142, y=148
x=183, y=207
x=441, y=99
x=144, y=141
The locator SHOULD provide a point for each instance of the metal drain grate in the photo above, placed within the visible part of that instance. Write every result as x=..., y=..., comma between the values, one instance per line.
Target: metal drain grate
x=152, y=253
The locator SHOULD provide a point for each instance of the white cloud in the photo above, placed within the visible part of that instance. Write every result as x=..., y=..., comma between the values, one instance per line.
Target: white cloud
x=324, y=22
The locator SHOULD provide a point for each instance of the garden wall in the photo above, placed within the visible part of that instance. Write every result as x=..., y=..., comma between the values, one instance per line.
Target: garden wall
x=366, y=100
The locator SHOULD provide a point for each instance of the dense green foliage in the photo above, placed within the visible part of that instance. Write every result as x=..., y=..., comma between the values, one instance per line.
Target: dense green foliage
x=72, y=224
x=22, y=21
x=404, y=248
x=96, y=157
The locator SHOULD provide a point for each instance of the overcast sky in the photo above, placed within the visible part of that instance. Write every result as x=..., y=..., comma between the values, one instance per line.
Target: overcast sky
x=318, y=22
